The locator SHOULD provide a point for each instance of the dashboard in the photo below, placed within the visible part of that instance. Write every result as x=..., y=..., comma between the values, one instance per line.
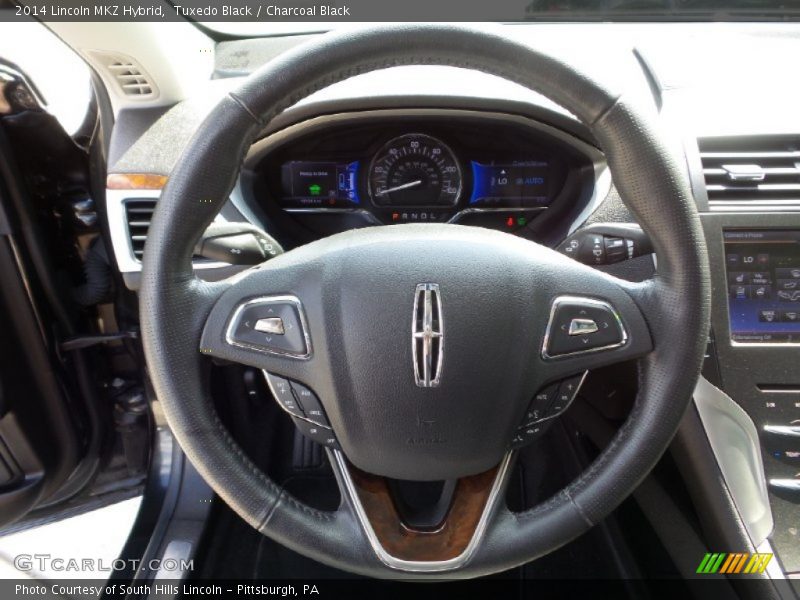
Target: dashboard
x=493, y=170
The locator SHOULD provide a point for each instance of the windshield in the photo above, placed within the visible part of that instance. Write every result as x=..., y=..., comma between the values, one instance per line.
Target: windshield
x=283, y=17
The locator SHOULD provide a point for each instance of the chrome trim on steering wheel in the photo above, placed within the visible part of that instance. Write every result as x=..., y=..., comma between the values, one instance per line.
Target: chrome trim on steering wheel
x=339, y=465
x=588, y=302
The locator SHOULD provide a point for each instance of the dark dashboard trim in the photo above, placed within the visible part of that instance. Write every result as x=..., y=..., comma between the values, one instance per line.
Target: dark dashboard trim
x=368, y=216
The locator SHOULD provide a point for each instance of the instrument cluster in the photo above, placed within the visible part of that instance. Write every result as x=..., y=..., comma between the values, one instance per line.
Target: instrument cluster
x=473, y=170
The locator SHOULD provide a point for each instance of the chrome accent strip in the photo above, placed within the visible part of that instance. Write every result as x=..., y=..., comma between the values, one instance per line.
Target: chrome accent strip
x=751, y=206
x=765, y=345
x=234, y=321
x=734, y=441
x=340, y=465
x=784, y=483
x=590, y=302
x=431, y=365
x=785, y=430
x=323, y=210
x=749, y=155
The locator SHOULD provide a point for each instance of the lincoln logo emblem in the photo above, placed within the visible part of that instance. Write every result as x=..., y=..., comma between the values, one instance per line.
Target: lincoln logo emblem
x=427, y=335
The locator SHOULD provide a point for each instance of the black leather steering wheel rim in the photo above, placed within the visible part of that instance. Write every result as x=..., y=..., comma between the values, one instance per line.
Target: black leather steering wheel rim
x=174, y=304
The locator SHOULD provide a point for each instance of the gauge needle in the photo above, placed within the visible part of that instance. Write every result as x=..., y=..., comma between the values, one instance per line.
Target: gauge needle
x=397, y=188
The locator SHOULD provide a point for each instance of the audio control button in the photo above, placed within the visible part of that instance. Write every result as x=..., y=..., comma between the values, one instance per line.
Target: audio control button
x=317, y=433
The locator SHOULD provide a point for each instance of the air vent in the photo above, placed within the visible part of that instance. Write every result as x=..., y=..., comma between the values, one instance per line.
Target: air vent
x=138, y=214
x=131, y=78
x=752, y=173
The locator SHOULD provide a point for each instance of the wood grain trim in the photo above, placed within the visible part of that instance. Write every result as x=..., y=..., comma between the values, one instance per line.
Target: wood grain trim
x=135, y=181
x=447, y=541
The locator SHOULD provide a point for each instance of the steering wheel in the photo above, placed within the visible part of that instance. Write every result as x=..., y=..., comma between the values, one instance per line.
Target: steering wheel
x=413, y=351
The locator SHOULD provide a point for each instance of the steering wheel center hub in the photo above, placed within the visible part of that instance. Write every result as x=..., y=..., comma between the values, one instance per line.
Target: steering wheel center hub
x=431, y=336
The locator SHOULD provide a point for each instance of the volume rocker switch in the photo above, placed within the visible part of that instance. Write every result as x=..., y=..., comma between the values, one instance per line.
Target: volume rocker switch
x=317, y=433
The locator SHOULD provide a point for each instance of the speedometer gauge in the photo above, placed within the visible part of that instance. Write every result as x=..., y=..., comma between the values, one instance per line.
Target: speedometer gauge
x=415, y=170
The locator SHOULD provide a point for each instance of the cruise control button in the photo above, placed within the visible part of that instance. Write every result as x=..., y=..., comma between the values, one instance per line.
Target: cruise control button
x=282, y=390
x=788, y=431
x=578, y=325
x=567, y=391
x=317, y=433
x=272, y=325
x=310, y=404
x=537, y=409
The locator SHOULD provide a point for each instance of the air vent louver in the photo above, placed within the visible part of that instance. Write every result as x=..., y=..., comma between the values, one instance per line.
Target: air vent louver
x=138, y=214
x=131, y=78
x=752, y=173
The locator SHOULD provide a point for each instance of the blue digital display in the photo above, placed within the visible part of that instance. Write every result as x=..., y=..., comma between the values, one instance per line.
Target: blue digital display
x=763, y=277
x=513, y=184
x=320, y=184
